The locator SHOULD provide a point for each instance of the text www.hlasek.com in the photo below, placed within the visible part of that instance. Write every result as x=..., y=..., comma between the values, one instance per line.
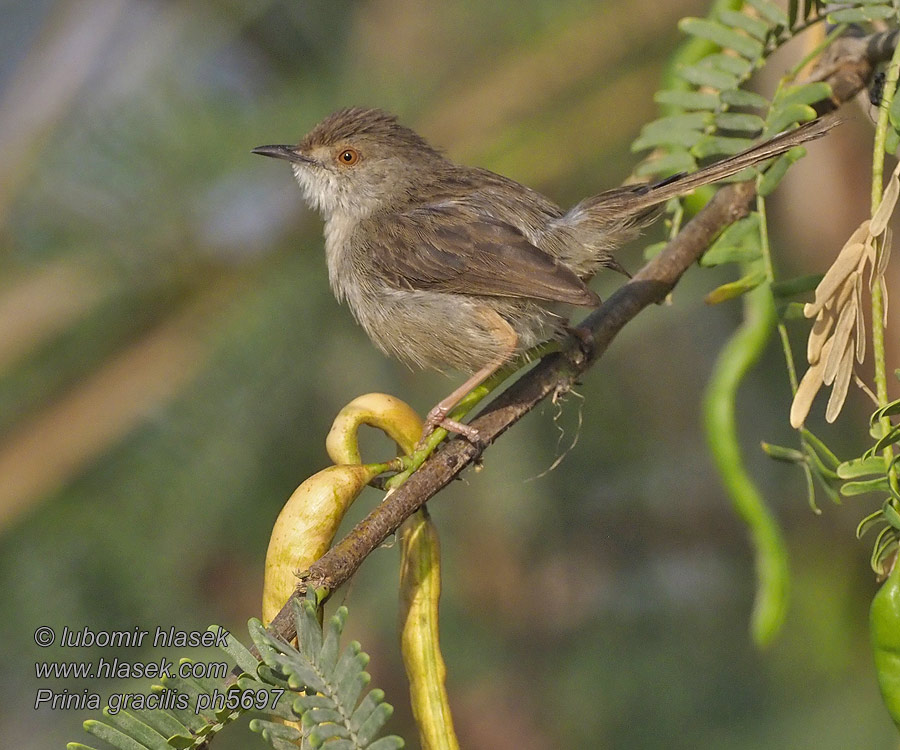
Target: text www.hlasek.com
x=107, y=669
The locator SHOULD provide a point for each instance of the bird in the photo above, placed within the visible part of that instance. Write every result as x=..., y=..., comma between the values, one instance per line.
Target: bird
x=450, y=266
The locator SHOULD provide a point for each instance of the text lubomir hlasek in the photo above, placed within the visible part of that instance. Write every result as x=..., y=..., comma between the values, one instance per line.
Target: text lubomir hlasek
x=162, y=638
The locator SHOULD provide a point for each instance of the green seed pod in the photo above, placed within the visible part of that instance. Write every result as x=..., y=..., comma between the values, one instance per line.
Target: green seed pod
x=884, y=625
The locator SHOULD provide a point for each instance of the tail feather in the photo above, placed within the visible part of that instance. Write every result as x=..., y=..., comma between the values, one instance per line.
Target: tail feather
x=638, y=199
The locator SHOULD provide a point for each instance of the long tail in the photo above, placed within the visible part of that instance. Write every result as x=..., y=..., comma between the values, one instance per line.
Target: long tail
x=635, y=200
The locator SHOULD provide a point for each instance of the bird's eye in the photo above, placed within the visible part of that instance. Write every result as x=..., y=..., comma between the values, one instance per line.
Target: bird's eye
x=348, y=157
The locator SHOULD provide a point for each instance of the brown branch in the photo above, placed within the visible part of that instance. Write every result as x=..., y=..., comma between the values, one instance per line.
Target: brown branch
x=848, y=67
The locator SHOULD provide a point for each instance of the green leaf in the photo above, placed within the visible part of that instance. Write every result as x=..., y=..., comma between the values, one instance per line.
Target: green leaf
x=890, y=514
x=271, y=677
x=782, y=118
x=888, y=410
x=689, y=100
x=861, y=467
x=810, y=489
x=861, y=15
x=677, y=160
x=774, y=174
x=880, y=484
x=755, y=27
x=181, y=742
x=391, y=742
x=701, y=75
x=735, y=288
x=309, y=632
x=329, y=654
x=724, y=36
x=263, y=641
x=323, y=732
x=884, y=543
x=824, y=483
x=164, y=723
x=892, y=437
x=338, y=744
x=891, y=141
x=349, y=678
x=729, y=64
x=741, y=98
x=113, y=736
x=791, y=311
x=894, y=113
x=870, y=521
x=770, y=11
x=682, y=121
x=745, y=123
x=285, y=659
x=185, y=715
x=377, y=719
x=780, y=453
x=787, y=288
x=671, y=139
x=819, y=465
x=276, y=734
x=719, y=145
x=324, y=716
x=803, y=93
x=365, y=709
x=821, y=450
x=180, y=685
x=238, y=652
x=739, y=243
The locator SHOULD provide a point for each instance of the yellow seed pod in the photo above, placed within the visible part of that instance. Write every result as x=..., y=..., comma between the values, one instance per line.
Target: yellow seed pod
x=306, y=527
x=309, y=520
x=420, y=592
x=391, y=415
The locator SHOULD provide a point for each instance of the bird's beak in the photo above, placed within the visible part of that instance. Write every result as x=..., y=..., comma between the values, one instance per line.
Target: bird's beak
x=290, y=153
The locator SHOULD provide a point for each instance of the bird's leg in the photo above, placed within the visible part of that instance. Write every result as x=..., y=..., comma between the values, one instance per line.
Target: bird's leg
x=437, y=417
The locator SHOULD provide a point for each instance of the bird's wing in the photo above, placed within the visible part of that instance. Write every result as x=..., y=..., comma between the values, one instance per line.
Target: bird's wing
x=441, y=248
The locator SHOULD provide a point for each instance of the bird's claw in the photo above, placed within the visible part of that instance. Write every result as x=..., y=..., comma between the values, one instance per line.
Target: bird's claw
x=437, y=417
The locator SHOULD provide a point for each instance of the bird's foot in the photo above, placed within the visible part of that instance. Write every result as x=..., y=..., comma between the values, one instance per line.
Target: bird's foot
x=585, y=339
x=437, y=417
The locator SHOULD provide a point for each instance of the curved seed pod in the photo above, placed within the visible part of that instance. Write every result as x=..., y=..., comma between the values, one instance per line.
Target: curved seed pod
x=309, y=520
x=420, y=575
x=387, y=413
x=884, y=626
x=306, y=527
x=420, y=590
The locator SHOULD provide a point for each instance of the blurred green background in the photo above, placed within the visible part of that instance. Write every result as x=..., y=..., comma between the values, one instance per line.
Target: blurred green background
x=171, y=359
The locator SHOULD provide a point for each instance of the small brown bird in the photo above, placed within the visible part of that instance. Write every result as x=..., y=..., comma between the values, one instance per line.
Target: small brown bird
x=452, y=266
